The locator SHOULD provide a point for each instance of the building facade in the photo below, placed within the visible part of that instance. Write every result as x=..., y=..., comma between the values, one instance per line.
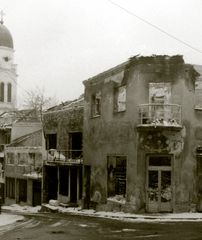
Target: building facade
x=62, y=171
x=24, y=160
x=142, y=137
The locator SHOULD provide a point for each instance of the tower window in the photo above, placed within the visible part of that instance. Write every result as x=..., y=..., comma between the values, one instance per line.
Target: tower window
x=1, y=92
x=9, y=96
x=6, y=59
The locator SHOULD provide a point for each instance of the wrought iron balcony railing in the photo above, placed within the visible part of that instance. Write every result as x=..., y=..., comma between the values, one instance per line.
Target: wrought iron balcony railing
x=69, y=156
x=166, y=115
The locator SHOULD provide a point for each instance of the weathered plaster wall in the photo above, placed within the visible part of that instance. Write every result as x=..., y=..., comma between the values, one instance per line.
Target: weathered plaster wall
x=62, y=122
x=116, y=133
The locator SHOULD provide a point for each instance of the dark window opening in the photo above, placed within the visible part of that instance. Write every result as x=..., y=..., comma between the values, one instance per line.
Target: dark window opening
x=10, y=188
x=159, y=161
x=22, y=190
x=116, y=175
x=64, y=181
x=9, y=95
x=51, y=141
x=1, y=92
x=75, y=145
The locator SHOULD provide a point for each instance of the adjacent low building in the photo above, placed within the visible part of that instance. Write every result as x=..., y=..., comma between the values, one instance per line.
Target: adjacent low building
x=24, y=160
x=62, y=171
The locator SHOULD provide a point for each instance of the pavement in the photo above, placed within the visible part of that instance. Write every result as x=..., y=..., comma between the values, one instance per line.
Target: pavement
x=160, y=217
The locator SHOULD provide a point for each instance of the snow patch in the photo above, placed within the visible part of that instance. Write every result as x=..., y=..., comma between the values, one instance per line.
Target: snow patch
x=6, y=219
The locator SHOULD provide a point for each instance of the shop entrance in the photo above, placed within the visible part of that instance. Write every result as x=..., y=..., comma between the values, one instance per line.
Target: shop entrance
x=159, y=184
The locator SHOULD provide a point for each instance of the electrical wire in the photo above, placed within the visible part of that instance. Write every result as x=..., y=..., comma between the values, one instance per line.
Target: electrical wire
x=155, y=26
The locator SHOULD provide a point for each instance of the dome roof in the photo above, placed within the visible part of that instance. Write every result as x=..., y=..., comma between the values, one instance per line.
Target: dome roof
x=6, y=39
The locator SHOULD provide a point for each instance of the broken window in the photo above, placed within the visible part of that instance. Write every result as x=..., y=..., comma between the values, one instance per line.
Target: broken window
x=116, y=175
x=96, y=104
x=75, y=145
x=120, y=99
x=10, y=187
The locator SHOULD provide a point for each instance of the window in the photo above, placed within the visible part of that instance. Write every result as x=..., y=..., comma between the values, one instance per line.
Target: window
x=9, y=94
x=116, y=175
x=10, y=158
x=10, y=187
x=96, y=104
x=1, y=92
x=51, y=141
x=120, y=99
x=22, y=158
x=32, y=157
x=75, y=145
x=159, y=93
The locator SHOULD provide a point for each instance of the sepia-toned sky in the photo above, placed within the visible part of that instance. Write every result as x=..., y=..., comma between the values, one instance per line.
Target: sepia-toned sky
x=60, y=43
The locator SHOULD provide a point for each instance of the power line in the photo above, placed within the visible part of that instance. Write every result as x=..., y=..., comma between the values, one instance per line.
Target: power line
x=156, y=27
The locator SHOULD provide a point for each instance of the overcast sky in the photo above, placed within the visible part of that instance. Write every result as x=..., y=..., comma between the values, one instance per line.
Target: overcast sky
x=60, y=43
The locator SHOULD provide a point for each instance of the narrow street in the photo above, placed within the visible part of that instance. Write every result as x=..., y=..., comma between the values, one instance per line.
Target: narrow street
x=60, y=227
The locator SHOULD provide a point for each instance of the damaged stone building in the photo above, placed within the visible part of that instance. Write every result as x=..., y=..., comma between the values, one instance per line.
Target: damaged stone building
x=24, y=159
x=143, y=137
x=62, y=174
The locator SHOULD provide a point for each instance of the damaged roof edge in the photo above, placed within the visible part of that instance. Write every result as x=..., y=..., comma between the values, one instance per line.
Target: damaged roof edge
x=132, y=61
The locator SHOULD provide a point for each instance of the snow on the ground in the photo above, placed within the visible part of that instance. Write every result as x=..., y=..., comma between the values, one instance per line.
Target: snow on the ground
x=24, y=209
x=165, y=217
x=6, y=219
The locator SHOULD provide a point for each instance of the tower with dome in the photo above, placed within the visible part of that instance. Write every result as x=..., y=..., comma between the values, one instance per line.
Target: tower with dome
x=8, y=75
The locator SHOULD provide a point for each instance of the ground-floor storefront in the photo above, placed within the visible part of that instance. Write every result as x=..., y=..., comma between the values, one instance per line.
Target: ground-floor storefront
x=62, y=183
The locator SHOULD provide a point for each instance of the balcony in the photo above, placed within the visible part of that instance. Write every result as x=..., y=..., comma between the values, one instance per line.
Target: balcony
x=160, y=116
x=72, y=157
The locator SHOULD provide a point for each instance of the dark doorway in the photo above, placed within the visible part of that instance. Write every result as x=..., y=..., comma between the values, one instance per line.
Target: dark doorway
x=52, y=182
x=22, y=190
x=36, y=193
x=73, y=185
x=64, y=181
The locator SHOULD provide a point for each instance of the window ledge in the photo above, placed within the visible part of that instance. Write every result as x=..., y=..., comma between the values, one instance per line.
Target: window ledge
x=198, y=108
x=123, y=111
x=95, y=116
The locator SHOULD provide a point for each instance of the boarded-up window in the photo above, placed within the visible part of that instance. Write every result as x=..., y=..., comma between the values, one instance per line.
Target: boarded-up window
x=96, y=104
x=120, y=99
x=159, y=93
x=116, y=175
x=9, y=94
x=1, y=92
